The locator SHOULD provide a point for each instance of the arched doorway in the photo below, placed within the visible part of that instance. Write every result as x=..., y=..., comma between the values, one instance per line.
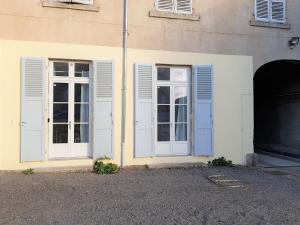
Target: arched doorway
x=277, y=108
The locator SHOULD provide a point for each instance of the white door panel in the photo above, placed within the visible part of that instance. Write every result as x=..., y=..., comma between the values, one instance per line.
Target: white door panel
x=69, y=113
x=172, y=111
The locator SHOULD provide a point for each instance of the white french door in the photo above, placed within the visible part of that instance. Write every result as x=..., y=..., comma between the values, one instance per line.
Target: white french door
x=69, y=110
x=172, y=133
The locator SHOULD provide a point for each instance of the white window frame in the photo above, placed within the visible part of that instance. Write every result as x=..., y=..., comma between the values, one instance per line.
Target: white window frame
x=270, y=19
x=174, y=8
x=71, y=79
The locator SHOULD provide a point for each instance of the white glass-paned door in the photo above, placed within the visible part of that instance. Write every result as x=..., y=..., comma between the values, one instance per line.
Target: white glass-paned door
x=69, y=110
x=172, y=111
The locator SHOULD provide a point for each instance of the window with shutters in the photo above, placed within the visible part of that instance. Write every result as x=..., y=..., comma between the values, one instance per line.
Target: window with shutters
x=87, y=5
x=175, y=6
x=85, y=2
x=270, y=11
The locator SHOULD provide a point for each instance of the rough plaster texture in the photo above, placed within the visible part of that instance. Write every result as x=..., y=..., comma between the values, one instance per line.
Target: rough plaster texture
x=224, y=27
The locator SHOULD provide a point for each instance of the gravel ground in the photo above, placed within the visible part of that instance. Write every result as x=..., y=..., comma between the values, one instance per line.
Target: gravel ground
x=165, y=196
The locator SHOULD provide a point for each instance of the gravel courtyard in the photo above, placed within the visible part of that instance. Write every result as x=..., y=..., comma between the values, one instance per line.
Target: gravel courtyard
x=165, y=196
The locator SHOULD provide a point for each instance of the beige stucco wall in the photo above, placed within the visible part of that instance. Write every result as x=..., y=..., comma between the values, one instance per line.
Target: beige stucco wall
x=223, y=28
x=10, y=93
x=232, y=82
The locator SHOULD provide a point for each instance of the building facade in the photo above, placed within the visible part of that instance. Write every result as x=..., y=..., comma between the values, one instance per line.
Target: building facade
x=189, y=86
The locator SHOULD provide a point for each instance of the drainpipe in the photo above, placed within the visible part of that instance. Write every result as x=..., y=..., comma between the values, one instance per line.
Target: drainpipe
x=124, y=80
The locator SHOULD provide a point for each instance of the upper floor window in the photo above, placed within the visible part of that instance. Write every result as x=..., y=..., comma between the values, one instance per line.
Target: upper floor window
x=270, y=11
x=175, y=6
x=85, y=2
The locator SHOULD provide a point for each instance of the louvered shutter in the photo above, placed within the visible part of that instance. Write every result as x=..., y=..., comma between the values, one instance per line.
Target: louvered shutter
x=33, y=109
x=203, y=112
x=262, y=10
x=143, y=110
x=103, y=109
x=184, y=6
x=86, y=2
x=278, y=11
x=165, y=5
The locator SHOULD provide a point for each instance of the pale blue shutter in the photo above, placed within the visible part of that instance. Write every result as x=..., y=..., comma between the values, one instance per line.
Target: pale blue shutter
x=33, y=109
x=203, y=111
x=143, y=110
x=103, y=109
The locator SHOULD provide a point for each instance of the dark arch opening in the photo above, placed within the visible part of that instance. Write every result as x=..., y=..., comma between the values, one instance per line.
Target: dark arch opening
x=277, y=108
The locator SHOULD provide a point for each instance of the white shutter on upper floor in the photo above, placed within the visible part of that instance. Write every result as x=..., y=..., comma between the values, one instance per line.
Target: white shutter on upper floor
x=278, y=11
x=33, y=109
x=103, y=89
x=86, y=2
x=165, y=5
x=184, y=6
x=262, y=10
x=144, y=110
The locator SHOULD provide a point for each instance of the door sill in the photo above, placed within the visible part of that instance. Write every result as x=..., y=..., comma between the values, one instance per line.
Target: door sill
x=172, y=155
x=69, y=158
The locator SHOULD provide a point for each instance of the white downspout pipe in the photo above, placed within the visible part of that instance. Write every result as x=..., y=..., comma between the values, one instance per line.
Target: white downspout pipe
x=124, y=81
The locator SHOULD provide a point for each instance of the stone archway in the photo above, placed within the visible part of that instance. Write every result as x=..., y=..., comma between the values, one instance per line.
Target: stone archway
x=277, y=108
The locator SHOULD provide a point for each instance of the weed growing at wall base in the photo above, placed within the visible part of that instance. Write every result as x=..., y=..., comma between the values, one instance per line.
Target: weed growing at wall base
x=28, y=171
x=221, y=161
x=105, y=168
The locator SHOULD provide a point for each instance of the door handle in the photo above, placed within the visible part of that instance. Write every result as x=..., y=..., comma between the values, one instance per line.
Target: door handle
x=23, y=123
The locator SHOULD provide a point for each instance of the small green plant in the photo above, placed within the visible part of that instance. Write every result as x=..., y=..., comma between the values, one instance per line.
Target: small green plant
x=28, y=171
x=221, y=161
x=105, y=168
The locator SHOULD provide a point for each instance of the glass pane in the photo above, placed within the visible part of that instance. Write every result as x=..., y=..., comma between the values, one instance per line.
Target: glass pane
x=179, y=75
x=180, y=113
x=163, y=132
x=61, y=69
x=163, y=73
x=60, y=133
x=163, y=113
x=81, y=113
x=82, y=93
x=60, y=92
x=180, y=95
x=60, y=113
x=163, y=95
x=81, y=133
x=180, y=132
x=82, y=70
